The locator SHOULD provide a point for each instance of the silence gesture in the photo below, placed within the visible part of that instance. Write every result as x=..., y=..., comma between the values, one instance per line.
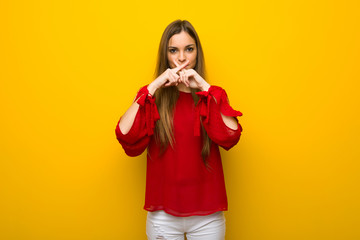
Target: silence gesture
x=168, y=78
x=191, y=78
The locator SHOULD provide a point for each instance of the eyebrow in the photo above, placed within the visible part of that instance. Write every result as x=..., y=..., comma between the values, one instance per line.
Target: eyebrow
x=185, y=46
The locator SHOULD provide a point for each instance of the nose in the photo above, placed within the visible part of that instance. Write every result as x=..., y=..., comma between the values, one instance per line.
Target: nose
x=181, y=57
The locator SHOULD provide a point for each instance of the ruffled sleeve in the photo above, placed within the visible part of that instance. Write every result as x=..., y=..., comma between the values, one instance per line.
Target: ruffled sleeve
x=147, y=102
x=137, y=139
x=209, y=108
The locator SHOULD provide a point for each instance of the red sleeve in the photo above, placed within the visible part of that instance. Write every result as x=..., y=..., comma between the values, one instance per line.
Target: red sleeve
x=137, y=139
x=209, y=111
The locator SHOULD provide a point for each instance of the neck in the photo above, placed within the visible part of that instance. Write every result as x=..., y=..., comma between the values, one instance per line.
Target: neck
x=183, y=88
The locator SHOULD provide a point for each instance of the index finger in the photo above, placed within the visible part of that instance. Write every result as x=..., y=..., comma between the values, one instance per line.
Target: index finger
x=179, y=67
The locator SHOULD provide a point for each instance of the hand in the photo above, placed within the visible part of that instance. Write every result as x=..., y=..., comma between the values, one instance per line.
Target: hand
x=168, y=78
x=192, y=79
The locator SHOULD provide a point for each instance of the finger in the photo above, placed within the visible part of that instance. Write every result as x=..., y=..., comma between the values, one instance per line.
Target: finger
x=179, y=67
x=180, y=76
x=170, y=82
x=183, y=76
x=184, y=65
x=173, y=80
x=187, y=83
x=187, y=80
x=175, y=76
x=170, y=79
x=181, y=79
x=176, y=64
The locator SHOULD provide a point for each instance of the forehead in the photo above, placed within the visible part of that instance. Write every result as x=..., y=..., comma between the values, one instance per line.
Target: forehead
x=181, y=39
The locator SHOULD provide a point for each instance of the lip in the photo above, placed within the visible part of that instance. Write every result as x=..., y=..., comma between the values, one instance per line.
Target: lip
x=187, y=66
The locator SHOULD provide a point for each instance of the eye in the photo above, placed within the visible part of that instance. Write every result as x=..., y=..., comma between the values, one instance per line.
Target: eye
x=172, y=50
x=190, y=49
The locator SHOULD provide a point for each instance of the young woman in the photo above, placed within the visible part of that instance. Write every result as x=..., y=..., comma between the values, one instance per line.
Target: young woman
x=181, y=120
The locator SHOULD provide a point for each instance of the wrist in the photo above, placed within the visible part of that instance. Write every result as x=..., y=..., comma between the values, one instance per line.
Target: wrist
x=152, y=88
x=205, y=86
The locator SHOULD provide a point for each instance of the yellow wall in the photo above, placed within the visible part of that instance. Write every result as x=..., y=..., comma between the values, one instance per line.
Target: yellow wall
x=69, y=69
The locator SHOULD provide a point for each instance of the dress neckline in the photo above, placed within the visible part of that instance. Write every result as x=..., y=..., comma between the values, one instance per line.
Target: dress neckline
x=184, y=92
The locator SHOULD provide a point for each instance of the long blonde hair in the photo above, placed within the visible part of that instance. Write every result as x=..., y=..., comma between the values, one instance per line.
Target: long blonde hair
x=166, y=97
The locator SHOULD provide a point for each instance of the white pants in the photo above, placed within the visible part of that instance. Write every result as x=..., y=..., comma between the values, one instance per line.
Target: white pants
x=163, y=226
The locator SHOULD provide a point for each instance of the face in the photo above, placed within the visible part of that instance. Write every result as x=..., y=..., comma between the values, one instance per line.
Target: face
x=182, y=47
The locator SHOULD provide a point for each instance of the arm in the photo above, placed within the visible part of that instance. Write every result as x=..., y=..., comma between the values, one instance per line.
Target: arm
x=218, y=117
x=229, y=121
x=132, y=149
x=128, y=118
x=135, y=127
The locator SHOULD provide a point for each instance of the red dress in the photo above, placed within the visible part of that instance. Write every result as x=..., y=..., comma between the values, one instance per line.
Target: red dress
x=178, y=181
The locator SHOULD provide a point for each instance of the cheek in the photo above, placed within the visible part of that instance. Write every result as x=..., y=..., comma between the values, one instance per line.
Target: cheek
x=171, y=60
x=193, y=60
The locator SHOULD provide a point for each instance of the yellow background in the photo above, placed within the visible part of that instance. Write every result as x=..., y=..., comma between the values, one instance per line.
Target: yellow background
x=70, y=69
